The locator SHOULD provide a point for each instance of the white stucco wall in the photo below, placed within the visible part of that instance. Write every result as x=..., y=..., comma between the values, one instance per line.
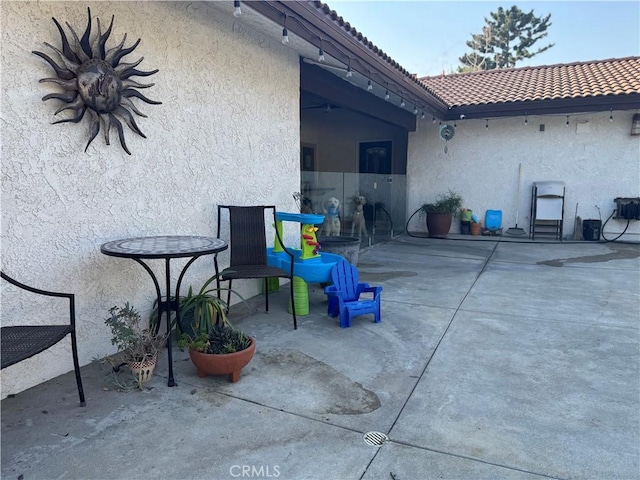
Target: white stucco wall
x=226, y=132
x=597, y=159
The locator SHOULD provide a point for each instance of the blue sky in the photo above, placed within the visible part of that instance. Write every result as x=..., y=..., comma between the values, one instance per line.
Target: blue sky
x=427, y=37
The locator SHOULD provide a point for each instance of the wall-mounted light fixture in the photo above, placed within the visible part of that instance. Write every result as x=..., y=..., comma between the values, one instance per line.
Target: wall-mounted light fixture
x=635, y=124
x=285, y=32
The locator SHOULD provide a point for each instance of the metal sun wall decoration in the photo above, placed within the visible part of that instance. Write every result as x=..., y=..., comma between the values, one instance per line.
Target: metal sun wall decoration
x=95, y=81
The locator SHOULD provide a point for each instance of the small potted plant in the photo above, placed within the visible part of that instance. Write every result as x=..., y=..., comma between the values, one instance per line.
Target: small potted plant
x=215, y=346
x=440, y=214
x=139, y=344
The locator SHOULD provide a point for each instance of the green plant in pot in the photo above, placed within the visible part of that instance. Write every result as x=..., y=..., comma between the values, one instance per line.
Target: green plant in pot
x=215, y=346
x=440, y=214
x=138, y=343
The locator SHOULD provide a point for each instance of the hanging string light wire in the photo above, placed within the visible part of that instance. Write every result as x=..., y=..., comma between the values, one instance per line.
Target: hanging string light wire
x=347, y=60
x=344, y=58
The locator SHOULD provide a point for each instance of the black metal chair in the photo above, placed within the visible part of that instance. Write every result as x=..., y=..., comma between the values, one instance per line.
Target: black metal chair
x=25, y=341
x=248, y=245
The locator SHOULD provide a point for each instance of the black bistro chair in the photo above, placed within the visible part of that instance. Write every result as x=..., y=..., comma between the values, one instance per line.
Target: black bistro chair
x=248, y=244
x=25, y=341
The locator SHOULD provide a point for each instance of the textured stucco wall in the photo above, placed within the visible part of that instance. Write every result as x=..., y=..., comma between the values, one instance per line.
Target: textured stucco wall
x=597, y=159
x=226, y=132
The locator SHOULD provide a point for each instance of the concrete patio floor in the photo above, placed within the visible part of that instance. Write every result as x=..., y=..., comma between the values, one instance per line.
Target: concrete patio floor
x=494, y=359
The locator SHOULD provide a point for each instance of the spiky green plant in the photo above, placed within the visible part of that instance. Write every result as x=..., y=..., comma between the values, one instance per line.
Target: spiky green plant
x=222, y=338
x=449, y=202
x=201, y=311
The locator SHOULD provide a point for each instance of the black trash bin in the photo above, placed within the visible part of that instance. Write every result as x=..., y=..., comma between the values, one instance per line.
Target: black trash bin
x=591, y=230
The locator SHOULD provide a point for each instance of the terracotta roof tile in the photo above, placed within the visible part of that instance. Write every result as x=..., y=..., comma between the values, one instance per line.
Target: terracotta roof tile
x=593, y=80
x=563, y=81
x=333, y=15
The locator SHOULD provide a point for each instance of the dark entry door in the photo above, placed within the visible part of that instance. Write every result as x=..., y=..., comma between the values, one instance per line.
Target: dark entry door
x=375, y=180
x=375, y=157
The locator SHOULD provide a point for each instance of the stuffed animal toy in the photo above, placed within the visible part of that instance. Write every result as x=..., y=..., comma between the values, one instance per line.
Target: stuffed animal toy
x=331, y=225
x=358, y=223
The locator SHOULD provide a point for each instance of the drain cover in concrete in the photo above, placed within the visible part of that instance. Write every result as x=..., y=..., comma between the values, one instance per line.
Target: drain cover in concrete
x=375, y=438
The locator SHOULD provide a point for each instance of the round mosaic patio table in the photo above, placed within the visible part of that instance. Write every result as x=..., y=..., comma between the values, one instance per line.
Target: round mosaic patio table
x=165, y=247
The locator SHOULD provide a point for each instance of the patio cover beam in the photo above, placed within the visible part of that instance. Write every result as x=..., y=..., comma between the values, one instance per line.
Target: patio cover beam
x=316, y=80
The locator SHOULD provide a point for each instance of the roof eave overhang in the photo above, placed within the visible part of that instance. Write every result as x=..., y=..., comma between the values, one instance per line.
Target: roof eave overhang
x=546, y=107
x=311, y=24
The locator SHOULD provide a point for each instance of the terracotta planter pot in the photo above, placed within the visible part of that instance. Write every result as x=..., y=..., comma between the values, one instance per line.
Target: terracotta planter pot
x=476, y=228
x=223, y=364
x=438, y=224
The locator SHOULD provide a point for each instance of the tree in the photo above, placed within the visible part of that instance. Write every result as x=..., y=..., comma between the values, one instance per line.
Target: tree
x=506, y=39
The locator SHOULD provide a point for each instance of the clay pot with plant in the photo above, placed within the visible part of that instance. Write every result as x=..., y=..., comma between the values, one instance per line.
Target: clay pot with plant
x=215, y=346
x=440, y=214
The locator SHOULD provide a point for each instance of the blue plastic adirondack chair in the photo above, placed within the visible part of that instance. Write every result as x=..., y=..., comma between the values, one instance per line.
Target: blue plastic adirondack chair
x=344, y=295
